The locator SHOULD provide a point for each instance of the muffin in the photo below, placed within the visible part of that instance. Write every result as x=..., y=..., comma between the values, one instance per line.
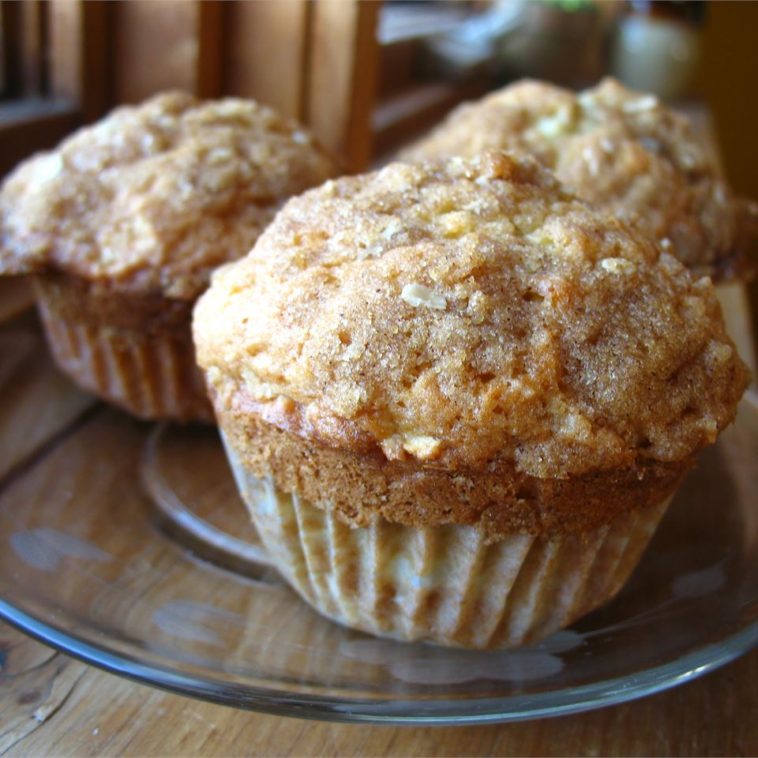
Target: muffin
x=622, y=151
x=123, y=223
x=457, y=400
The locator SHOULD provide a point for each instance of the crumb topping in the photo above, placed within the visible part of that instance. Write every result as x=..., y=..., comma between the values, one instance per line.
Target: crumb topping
x=155, y=196
x=620, y=150
x=465, y=311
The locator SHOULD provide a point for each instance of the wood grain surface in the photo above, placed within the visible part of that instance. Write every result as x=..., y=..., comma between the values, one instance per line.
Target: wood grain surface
x=52, y=704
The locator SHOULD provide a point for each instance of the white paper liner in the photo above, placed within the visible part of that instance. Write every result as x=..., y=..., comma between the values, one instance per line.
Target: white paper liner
x=152, y=376
x=442, y=584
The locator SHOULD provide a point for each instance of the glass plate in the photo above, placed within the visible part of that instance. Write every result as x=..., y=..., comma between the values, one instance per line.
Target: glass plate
x=180, y=596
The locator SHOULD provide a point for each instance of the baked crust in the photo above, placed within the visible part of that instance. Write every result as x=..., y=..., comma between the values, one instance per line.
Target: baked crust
x=623, y=152
x=155, y=196
x=459, y=313
x=134, y=351
x=361, y=484
x=101, y=303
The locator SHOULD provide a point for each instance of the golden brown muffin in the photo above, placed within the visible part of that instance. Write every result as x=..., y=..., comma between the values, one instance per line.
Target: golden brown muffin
x=622, y=151
x=478, y=373
x=124, y=222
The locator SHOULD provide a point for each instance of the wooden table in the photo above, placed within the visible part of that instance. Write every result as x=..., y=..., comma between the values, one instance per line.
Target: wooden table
x=51, y=703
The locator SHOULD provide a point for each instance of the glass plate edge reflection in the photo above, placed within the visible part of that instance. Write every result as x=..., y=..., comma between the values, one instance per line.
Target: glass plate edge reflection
x=428, y=712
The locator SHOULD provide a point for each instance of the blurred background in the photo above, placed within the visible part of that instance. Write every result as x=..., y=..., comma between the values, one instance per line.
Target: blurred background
x=369, y=76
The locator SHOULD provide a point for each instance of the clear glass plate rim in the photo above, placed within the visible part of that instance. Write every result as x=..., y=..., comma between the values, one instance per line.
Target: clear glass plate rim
x=423, y=712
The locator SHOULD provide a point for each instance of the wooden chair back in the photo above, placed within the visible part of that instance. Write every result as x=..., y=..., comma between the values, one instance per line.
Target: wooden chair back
x=67, y=62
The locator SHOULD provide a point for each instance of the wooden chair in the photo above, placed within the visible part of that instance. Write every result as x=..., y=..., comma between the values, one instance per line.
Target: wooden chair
x=67, y=62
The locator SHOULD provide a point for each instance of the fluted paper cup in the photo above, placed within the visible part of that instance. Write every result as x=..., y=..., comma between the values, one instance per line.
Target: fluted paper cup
x=151, y=375
x=442, y=584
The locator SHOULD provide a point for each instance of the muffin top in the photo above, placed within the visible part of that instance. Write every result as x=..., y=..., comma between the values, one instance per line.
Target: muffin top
x=622, y=151
x=153, y=197
x=457, y=312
